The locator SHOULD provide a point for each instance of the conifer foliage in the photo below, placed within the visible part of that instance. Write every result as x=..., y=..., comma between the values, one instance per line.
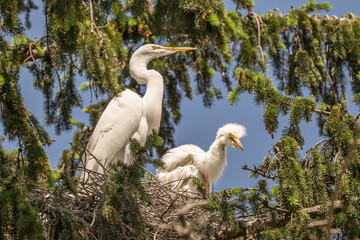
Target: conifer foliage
x=296, y=196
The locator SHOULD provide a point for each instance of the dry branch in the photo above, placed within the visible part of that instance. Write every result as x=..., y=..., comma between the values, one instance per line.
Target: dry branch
x=259, y=171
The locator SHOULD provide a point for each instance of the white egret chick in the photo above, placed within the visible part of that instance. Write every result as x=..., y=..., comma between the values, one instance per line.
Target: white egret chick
x=128, y=115
x=189, y=161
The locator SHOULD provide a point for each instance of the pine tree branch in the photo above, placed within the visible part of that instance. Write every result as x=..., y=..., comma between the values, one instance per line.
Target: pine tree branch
x=357, y=117
x=92, y=23
x=337, y=187
x=19, y=165
x=332, y=83
x=258, y=20
x=149, y=8
x=31, y=56
x=259, y=171
x=274, y=208
x=318, y=223
x=326, y=113
x=27, y=54
x=258, y=225
x=310, y=151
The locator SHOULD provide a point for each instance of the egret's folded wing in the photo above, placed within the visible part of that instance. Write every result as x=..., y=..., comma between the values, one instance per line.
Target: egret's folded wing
x=181, y=156
x=116, y=126
x=180, y=178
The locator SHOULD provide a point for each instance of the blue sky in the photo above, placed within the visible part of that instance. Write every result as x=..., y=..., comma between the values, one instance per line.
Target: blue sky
x=199, y=124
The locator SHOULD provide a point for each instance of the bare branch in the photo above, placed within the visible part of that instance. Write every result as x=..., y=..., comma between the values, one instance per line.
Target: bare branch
x=326, y=113
x=92, y=23
x=259, y=171
x=318, y=223
x=258, y=20
x=357, y=117
x=149, y=8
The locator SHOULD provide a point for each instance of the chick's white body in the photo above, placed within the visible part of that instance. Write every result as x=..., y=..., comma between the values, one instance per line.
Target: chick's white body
x=189, y=161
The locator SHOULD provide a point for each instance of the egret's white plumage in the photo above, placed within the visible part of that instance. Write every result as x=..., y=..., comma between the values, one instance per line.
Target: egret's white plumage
x=188, y=161
x=128, y=115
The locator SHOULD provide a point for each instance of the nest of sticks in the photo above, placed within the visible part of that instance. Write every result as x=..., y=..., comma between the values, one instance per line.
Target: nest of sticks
x=169, y=214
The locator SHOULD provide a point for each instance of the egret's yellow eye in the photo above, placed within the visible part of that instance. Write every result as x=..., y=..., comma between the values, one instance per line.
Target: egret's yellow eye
x=155, y=47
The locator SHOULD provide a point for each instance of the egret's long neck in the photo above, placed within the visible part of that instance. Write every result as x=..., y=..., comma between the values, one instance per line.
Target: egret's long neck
x=153, y=100
x=138, y=69
x=216, y=163
x=154, y=89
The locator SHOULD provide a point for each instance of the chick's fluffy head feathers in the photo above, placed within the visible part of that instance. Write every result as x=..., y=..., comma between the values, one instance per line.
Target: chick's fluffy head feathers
x=232, y=128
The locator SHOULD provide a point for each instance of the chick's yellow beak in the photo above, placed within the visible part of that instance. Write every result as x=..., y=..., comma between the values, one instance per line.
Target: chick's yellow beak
x=236, y=142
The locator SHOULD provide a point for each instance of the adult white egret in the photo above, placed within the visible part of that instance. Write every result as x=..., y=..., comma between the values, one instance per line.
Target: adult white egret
x=129, y=115
x=188, y=161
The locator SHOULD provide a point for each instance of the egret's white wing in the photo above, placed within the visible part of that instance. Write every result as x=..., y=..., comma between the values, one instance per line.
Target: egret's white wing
x=118, y=123
x=180, y=178
x=181, y=156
